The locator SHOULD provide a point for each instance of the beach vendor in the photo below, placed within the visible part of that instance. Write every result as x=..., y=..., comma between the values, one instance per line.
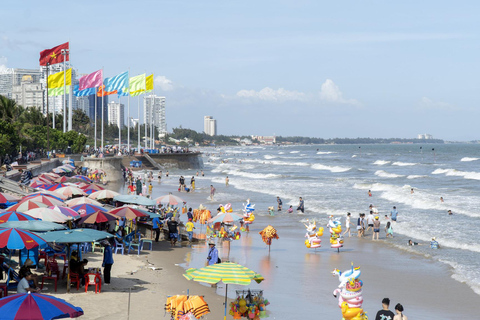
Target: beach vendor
x=157, y=224
x=212, y=257
x=107, y=261
x=189, y=226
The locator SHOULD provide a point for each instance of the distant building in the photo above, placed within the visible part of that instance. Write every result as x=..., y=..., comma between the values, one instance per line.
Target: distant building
x=265, y=139
x=154, y=110
x=424, y=136
x=28, y=93
x=91, y=107
x=13, y=77
x=210, y=126
x=116, y=114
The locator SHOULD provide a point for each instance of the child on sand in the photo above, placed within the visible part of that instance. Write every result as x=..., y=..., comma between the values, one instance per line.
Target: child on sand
x=389, y=229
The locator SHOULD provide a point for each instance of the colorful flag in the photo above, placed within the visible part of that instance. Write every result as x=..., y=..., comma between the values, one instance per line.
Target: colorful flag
x=149, y=83
x=100, y=92
x=118, y=82
x=56, y=80
x=54, y=55
x=91, y=80
x=83, y=93
x=137, y=85
x=53, y=92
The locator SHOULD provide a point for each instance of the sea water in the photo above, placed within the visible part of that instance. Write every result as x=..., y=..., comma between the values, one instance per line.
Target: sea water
x=335, y=179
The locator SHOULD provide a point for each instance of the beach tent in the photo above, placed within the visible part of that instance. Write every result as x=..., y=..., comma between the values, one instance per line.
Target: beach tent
x=33, y=225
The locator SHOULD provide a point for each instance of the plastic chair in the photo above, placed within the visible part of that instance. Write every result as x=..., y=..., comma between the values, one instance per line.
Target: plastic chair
x=119, y=246
x=138, y=245
x=4, y=289
x=52, y=277
x=96, y=244
x=143, y=241
x=75, y=278
x=93, y=279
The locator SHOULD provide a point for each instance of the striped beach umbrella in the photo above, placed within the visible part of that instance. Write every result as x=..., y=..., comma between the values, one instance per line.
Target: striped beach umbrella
x=128, y=212
x=84, y=209
x=56, y=186
x=94, y=187
x=69, y=212
x=86, y=179
x=82, y=200
x=227, y=217
x=14, y=216
x=61, y=179
x=5, y=197
x=18, y=239
x=27, y=205
x=37, y=306
x=49, y=201
x=104, y=194
x=46, y=214
x=227, y=272
x=98, y=217
x=48, y=194
x=169, y=199
x=70, y=191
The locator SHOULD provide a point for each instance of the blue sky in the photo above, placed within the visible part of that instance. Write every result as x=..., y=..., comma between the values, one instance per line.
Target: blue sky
x=309, y=68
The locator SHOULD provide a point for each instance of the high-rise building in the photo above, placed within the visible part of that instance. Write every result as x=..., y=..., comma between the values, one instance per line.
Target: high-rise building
x=210, y=126
x=154, y=108
x=13, y=77
x=116, y=114
x=58, y=101
x=28, y=93
x=91, y=107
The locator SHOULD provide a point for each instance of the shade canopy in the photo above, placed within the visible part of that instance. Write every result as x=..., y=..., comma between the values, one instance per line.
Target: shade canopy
x=34, y=225
x=66, y=211
x=227, y=217
x=14, y=216
x=76, y=236
x=135, y=199
x=70, y=191
x=18, y=239
x=84, y=209
x=36, y=306
x=46, y=214
x=128, y=212
x=103, y=194
x=48, y=200
x=26, y=205
x=227, y=272
x=98, y=217
x=169, y=199
x=6, y=197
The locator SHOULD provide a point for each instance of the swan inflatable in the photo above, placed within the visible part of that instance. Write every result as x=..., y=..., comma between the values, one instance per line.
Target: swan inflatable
x=313, y=235
x=349, y=293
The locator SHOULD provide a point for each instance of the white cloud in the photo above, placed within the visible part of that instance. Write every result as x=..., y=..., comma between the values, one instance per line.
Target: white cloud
x=427, y=103
x=3, y=66
x=269, y=94
x=330, y=92
x=164, y=83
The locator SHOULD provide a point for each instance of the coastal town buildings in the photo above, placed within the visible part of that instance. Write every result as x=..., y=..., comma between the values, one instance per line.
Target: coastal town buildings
x=425, y=136
x=28, y=93
x=210, y=126
x=154, y=110
x=116, y=114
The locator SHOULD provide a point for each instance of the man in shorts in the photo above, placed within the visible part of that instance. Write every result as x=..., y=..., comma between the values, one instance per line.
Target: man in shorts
x=173, y=231
x=376, y=228
x=370, y=219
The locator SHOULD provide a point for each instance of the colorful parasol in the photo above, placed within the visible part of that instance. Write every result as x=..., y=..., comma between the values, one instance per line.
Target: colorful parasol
x=84, y=209
x=70, y=191
x=48, y=200
x=18, y=239
x=103, y=194
x=46, y=214
x=98, y=217
x=27, y=205
x=227, y=217
x=14, y=216
x=5, y=197
x=170, y=199
x=66, y=211
x=127, y=212
x=82, y=200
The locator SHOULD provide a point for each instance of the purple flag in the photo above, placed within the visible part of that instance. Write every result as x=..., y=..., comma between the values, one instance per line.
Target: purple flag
x=91, y=80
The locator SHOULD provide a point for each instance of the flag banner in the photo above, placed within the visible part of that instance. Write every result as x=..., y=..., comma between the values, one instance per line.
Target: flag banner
x=83, y=93
x=137, y=85
x=123, y=92
x=100, y=92
x=53, y=92
x=56, y=80
x=118, y=82
x=149, y=83
x=54, y=55
x=91, y=80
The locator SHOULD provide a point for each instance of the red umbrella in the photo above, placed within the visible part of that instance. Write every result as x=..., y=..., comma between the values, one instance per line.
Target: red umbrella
x=49, y=201
x=127, y=212
x=98, y=217
x=61, y=179
x=93, y=186
x=27, y=205
x=5, y=197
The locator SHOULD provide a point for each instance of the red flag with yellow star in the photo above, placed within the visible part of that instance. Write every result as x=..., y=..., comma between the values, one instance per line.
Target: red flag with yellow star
x=54, y=55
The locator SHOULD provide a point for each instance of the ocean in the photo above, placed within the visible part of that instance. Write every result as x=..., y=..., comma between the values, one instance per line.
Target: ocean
x=334, y=180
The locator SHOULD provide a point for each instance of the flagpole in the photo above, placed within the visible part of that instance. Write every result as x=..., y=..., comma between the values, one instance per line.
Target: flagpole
x=103, y=111
x=128, y=116
x=119, y=125
x=48, y=124
x=70, y=104
x=96, y=97
x=138, y=123
x=145, y=117
x=64, y=92
x=152, y=122
x=53, y=117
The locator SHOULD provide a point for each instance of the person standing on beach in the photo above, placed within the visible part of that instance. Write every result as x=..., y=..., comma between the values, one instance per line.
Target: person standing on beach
x=301, y=206
x=173, y=231
x=192, y=182
x=156, y=226
x=189, y=226
x=394, y=213
x=279, y=201
x=166, y=174
x=385, y=313
x=399, y=311
x=107, y=262
x=203, y=175
x=370, y=220
x=212, y=257
x=347, y=225
x=139, y=186
x=389, y=230
x=360, y=226
x=212, y=192
x=190, y=214
x=376, y=228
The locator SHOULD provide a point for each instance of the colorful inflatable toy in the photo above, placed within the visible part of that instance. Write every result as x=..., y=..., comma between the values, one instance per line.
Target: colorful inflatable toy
x=313, y=235
x=335, y=227
x=349, y=293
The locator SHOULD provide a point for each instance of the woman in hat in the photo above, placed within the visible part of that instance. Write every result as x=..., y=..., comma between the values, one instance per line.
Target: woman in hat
x=212, y=257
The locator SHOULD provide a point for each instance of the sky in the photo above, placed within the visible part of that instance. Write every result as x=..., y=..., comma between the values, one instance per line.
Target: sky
x=328, y=69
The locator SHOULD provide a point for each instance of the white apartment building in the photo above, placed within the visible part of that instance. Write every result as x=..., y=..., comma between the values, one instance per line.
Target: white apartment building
x=154, y=110
x=11, y=77
x=116, y=114
x=210, y=126
x=28, y=93
x=424, y=136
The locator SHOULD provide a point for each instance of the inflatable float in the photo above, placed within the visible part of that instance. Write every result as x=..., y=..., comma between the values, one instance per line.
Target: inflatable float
x=335, y=227
x=313, y=235
x=349, y=293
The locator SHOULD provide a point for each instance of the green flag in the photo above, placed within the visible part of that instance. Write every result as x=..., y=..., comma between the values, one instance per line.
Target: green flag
x=137, y=85
x=53, y=92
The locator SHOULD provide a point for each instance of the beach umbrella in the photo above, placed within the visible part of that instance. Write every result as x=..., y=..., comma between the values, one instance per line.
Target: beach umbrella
x=5, y=198
x=40, y=180
x=56, y=186
x=36, y=306
x=82, y=200
x=76, y=236
x=36, y=184
x=103, y=194
x=227, y=217
x=127, y=212
x=169, y=199
x=46, y=214
x=27, y=205
x=93, y=186
x=60, y=170
x=97, y=217
x=18, y=239
x=47, y=176
x=84, y=209
x=70, y=191
x=52, y=175
x=61, y=180
x=135, y=199
x=47, y=194
x=14, y=216
x=49, y=201
x=33, y=225
x=69, y=165
x=86, y=179
x=227, y=272
x=66, y=211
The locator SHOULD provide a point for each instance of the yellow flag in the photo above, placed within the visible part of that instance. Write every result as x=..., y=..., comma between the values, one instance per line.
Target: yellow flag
x=149, y=82
x=56, y=80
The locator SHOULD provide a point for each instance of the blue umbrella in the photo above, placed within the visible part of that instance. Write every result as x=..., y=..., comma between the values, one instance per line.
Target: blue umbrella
x=36, y=306
x=144, y=201
x=34, y=225
x=76, y=236
x=17, y=239
x=84, y=209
